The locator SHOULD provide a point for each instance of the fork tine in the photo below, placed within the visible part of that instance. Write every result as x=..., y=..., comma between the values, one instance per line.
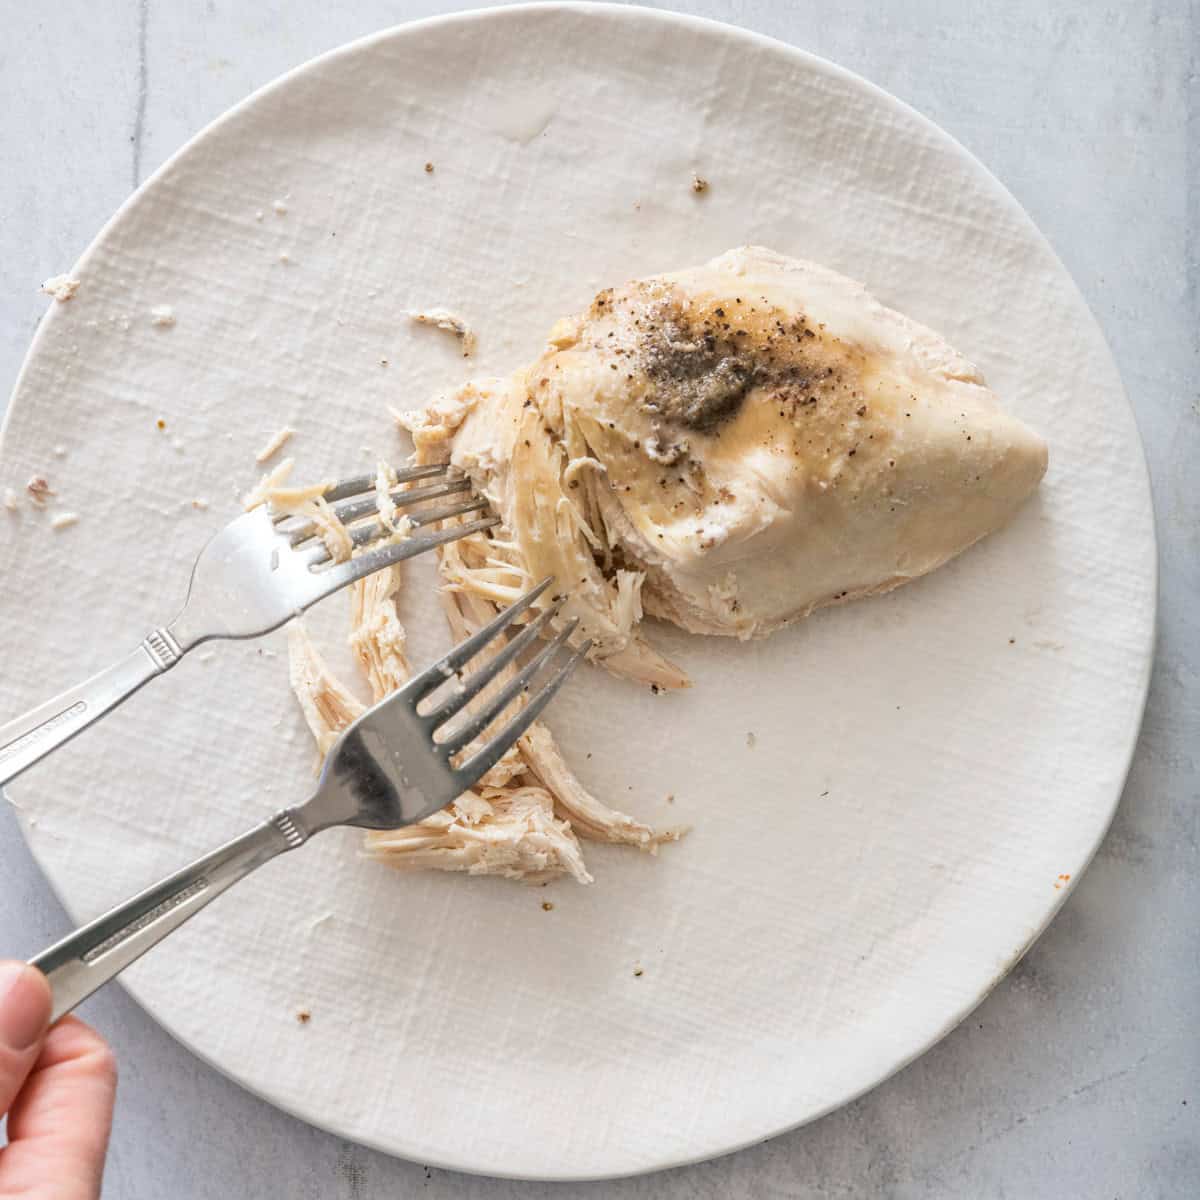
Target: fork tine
x=450, y=664
x=354, y=510
x=507, y=694
x=478, y=680
x=420, y=519
x=469, y=773
x=351, y=510
x=355, y=484
x=394, y=552
x=362, y=535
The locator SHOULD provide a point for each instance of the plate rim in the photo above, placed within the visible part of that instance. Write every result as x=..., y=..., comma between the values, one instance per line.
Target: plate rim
x=751, y=38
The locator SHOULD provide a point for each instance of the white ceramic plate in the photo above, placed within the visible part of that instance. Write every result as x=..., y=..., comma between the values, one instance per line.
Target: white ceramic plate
x=927, y=770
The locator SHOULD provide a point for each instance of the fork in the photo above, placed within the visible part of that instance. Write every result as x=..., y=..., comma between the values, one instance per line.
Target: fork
x=258, y=572
x=386, y=770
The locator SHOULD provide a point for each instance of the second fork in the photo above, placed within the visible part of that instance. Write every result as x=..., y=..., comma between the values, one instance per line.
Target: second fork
x=254, y=575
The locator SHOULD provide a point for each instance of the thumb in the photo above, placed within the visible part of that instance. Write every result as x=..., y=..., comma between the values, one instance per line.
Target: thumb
x=24, y=1014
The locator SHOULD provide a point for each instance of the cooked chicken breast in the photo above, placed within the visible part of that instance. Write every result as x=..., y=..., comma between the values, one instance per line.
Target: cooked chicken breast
x=728, y=447
x=733, y=446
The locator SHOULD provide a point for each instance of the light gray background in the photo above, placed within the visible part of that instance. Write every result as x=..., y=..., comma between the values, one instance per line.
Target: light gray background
x=1079, y=1075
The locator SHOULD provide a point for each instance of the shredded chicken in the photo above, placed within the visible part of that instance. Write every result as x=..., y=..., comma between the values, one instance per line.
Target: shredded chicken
x=511, y=832
x=389, y=513
x=484, y=572
x=273, y=481
x=498, y=830
x=587, y=815
x=274, y=444
x=376, y=636
x=307, y=502
x=442, y=318
x=554, y=521
x=327, y=705
x=521, y=820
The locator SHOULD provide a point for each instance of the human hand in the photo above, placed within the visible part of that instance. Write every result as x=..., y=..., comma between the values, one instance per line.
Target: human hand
x=57, y=1089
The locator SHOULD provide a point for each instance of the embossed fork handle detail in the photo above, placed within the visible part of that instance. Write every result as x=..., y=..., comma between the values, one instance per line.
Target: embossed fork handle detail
x=88, y=958
x=32, y=736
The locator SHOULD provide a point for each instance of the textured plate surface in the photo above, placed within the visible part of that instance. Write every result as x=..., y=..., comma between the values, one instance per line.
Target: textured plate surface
x=926, y=769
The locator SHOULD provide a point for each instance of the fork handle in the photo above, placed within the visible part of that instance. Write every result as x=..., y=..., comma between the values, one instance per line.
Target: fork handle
x=31, y=737
x=92, y=955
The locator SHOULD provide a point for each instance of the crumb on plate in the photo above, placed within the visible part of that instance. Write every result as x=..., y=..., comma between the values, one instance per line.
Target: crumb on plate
x=699, y=184
x=61, y=287
x=10, y=500
x=38, y=490
x=64, y=520
x=442, y=318
x=162, y=316
x=275, y=443
x=303, y=1015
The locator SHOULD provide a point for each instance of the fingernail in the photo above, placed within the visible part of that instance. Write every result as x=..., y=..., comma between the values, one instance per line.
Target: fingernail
x=24, y=1005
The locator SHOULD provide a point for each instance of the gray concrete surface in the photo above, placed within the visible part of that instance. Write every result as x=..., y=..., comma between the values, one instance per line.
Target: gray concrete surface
x=1080, y=1075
